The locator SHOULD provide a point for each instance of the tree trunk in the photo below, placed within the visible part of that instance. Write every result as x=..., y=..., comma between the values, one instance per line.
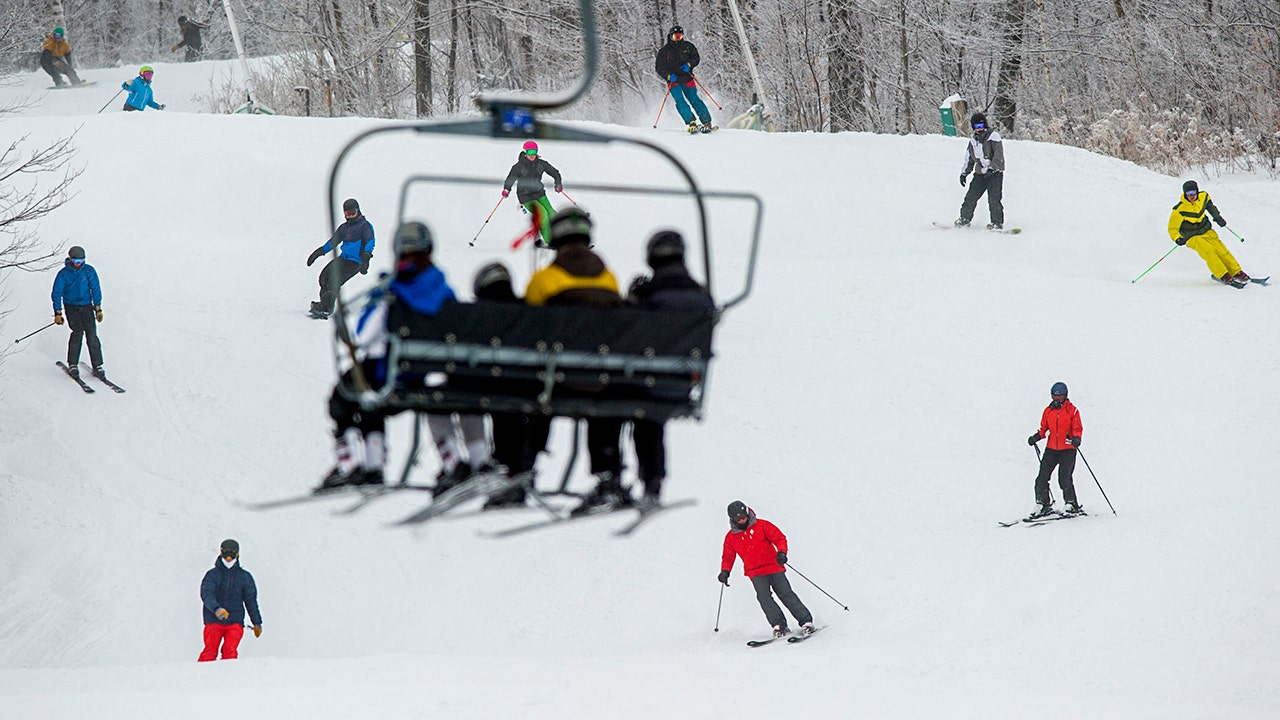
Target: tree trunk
x=846, y=79
x=451, y=74
x=1012, y=18
x=422, y=57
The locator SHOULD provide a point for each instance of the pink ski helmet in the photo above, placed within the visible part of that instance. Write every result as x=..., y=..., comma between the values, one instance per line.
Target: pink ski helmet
x=530, y=145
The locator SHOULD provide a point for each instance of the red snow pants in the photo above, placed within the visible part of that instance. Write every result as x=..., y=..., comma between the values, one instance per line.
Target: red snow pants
x=226, y=635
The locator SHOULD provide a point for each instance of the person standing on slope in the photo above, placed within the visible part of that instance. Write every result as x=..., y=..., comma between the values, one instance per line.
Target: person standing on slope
x=526, y=176
x=355, y=238
x=140, y=95
x=674, y=64
x=1060, y=422
x=55, y=58
x=76, y=288
x=984, y=157
x=226, y=592
x=191, y=40
x=1189, y=225
x=763, y=549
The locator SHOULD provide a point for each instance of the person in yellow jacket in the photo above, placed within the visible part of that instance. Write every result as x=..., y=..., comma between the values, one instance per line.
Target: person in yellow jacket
x=578, y=276
x=1189, y=225
x=55, y=58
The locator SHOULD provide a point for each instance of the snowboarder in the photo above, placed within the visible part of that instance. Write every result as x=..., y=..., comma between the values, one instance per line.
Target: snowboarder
x=191, y=40
x=670, y=288
x=984, y=156
x=1189, y=225
x=55, y=58
x=526, y=176
x=1060, y=422
x=763, y=549
x=140, y=95
x=226, y=592
x=355, y=236
x=674, y=64
x=578, y=276
x=77, y=288
x=359, y=437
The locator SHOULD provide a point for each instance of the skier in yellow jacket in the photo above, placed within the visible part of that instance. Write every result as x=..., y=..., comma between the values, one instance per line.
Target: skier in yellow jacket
x=1189, y=225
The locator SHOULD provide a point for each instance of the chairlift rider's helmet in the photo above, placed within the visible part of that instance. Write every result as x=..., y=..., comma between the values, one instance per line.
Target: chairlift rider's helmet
x=489, y=276
x=570, y=225
x=412, y=237
x=664, y=247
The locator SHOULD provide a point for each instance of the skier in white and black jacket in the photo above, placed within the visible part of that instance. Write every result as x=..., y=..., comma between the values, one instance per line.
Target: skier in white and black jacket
x=984, y=157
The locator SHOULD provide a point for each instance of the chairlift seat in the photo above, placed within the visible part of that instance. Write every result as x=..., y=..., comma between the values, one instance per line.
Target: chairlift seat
x=557, y=361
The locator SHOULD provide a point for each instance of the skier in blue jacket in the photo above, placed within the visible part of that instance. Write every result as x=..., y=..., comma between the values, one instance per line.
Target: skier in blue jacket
x=226, y=592
x=77, y=290
x=355, y=241
x=140, y=96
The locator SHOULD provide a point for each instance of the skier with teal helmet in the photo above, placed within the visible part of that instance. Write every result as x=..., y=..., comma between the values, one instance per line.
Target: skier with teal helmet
x=140, y=96
x=526, y=176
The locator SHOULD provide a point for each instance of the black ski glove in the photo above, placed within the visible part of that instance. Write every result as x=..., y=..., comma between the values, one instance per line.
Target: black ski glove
x=1222, y=222
x=782, y=558
x=1181, y=241
x=1074, y=441
x=315, y=255
x=723, y=577
x=364, y=263
x=1033, y=439
x=963, y=179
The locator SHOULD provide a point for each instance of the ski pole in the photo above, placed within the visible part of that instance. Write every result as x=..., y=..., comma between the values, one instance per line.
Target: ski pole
x=562, y=192
x=1095, y=480
x=486, y=221
x=705, y=90
x=1144, y=272
x=824, y=592
x=24, y=337
x=1233, y=232
x=1037, y=447
x=663, y=105
x=113, y=99
x=718, y=605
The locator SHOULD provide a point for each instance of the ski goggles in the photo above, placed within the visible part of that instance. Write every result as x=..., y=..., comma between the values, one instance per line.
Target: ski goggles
x=677, y=36
x=1192, y=194
x=77, y=261
x=147, y=75
x=531, y=152
x=57, y=36
x=979, y=126
x=351, y=214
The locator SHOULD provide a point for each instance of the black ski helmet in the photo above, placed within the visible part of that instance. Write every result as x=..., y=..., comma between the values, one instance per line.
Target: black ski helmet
x=489, y=277
x=76, y=252
x=1190, y=186
x=1059, y=389
x=182, y=19
x=229, y=548
x=350, y=204
x=569, y=225
x=978, y=118
x=413, y=236
x=665, y=246
x=737, y=509
x=675, y=29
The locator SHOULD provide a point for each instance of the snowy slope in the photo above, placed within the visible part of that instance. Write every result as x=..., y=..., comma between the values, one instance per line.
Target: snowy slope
x=872, y=398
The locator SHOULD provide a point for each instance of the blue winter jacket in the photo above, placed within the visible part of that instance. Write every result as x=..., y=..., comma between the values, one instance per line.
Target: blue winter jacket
x=355, y=236
x=424, y=292
x=140, y=94
x=231, y=588
x=76, y=286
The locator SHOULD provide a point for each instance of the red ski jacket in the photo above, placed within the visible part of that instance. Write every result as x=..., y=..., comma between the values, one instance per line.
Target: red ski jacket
x=1058, y=424
x=758, y=546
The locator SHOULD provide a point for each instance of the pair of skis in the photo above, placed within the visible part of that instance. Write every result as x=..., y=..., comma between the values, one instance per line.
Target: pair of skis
x=792, y=638
x=1242, y=285
x=1043, y=519
x=84, y=385
x=643, y=515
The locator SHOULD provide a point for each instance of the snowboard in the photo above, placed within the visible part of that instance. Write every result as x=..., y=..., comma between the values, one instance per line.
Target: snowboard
x=953, y=226
x=72, y=86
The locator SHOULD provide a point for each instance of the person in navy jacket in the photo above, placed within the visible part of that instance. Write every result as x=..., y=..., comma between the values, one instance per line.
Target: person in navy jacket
x=227, y=592
x=140, y=96
x=76, y=289
x=763, y=549
x=355, y=241
x=674, y=63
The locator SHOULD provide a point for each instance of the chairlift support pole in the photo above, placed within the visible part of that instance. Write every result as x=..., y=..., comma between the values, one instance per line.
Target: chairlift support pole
x=251, y=106
x=746, y=51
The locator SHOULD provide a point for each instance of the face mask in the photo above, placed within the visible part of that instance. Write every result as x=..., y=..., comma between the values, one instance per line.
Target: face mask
x=228, y=563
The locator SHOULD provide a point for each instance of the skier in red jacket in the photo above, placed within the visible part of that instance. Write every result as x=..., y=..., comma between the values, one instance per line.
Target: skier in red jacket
x=1060, y=422
x=763, y=549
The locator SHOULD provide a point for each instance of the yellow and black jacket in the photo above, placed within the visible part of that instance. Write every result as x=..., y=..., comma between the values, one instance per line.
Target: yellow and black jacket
x=1190, y=219
x=576, y=277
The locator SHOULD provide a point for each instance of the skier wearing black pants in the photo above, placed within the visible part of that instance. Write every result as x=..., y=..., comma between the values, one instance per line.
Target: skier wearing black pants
x=984, y=157
x=77, y=290
x=1060, y=422
x=763, y=549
